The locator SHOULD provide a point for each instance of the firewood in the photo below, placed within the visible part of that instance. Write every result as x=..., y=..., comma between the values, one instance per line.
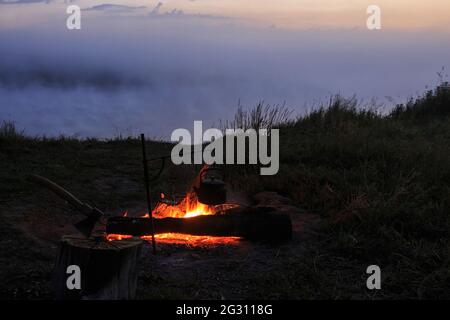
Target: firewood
x=251, y=223
x=108, y=269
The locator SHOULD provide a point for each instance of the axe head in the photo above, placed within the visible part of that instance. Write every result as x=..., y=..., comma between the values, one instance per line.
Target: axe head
x=86, y=226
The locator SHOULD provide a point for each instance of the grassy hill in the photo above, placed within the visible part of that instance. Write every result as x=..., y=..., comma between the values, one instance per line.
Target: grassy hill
x=380, y=183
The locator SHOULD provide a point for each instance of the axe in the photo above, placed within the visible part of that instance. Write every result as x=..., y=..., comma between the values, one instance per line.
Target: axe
x=93, y=214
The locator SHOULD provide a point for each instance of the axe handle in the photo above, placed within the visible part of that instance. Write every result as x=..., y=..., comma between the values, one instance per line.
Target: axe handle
x=62, y=193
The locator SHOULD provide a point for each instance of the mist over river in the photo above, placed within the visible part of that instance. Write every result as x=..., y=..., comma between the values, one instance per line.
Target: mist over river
x=132, y=73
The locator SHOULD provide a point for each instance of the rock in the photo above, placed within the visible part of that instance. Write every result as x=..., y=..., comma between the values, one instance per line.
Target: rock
x=268, y=198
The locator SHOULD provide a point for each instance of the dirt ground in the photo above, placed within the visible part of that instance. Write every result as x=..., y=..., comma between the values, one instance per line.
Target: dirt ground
x=223, y=271
x=192, y=270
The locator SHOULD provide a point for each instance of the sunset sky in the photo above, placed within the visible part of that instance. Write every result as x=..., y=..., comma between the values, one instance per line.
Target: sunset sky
x=398, y=14
x=153, y=66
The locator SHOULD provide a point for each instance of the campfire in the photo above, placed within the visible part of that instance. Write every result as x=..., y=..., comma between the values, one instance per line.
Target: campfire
x=202, y=216
x=189, y=207
x=108, y=256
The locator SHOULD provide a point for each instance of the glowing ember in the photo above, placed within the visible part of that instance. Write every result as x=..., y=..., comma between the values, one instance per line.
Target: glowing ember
x=189, y=207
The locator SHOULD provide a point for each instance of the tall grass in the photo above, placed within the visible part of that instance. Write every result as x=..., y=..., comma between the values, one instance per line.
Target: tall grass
x=380, y=184
x=262, y=116
x=434, y=103
x=8, y=130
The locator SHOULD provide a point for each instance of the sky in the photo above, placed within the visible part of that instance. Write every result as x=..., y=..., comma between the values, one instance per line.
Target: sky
x=154, y=66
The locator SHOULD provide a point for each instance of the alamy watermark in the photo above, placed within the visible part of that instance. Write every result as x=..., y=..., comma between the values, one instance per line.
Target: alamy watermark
x=74, y=279
x=374, y=20
x=73, y=21
x=374, y=280
x=231, y=146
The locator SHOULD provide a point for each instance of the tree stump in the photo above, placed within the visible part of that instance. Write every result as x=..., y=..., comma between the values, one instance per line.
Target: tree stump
x=108, y=269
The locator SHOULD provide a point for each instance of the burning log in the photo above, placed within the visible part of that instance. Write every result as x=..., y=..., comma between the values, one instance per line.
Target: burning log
x=107, y=270
x=258, y=223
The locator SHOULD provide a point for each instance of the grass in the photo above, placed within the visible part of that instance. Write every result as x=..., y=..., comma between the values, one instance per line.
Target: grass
x=381, y=183
x=434, y=103
x=263, y=116
x=8, y=131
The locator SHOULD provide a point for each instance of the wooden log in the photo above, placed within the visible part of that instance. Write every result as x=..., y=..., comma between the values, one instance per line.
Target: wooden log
x=108, y=269
x=252, y=224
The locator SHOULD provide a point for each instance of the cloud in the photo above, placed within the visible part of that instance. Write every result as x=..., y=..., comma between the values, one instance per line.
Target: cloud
x=155, y=12
x=177, y=13
x=156, y=8
x=66, y=78
x=114, y=8
x=33, y=1
x=23, y=1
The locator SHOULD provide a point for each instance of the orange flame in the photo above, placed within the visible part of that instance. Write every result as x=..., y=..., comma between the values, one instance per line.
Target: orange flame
x=189, y=207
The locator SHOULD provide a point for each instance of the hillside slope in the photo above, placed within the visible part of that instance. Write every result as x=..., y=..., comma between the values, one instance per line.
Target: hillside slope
x=379, y=183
